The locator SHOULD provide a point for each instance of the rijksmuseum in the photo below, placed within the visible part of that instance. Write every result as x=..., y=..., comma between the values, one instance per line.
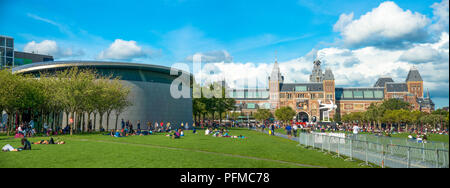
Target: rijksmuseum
x=308, y=99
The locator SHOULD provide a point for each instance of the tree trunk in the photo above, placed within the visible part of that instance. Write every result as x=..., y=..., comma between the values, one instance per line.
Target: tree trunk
x=101, y=122
x=95, y=122
x=107, y=120
x=72, y=123
x=117, y=118
x=89, y=122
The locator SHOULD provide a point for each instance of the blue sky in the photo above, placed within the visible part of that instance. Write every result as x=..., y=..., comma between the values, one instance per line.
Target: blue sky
x=238, y=32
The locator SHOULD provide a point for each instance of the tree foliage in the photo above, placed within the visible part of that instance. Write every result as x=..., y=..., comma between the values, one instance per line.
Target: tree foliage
x=76, y=92
x=285, y=114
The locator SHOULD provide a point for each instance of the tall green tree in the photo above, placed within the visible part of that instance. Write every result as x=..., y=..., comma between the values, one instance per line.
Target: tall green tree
x=262, y=115
x=285, y=114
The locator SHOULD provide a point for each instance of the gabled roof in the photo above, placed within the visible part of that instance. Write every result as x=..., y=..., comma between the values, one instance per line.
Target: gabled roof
x=425, y=102
x=381, y=82
x=413, y=75
x=328, y=75
x=396, y=87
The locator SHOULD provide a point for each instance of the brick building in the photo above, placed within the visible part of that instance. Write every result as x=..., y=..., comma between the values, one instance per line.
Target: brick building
x=305, y=98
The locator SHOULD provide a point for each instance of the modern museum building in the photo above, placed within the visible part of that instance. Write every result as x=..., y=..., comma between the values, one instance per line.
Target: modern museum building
x=150, y=90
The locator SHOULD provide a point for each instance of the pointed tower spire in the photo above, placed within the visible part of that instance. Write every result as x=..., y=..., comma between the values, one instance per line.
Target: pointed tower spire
x=276, y=58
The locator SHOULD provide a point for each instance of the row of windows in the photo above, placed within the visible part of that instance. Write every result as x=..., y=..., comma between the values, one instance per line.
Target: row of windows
x=248, y=94
x=9, y=52
x=6, y=62
x=261, y=106
x=355, y=106
x=300, y=88
x=6, y=42
x=361, y=94
x=303, y=96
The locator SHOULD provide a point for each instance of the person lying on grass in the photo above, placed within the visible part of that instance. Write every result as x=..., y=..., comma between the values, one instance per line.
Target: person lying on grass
x=175, y=135
x=25, y=143
x=51, y=141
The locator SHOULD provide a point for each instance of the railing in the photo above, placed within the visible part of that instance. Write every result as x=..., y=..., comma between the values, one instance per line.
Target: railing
x=384, y=155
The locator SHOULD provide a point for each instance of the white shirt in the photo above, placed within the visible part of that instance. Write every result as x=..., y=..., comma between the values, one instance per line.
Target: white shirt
x=7, y=147
x=295, y=127
x=355, y=129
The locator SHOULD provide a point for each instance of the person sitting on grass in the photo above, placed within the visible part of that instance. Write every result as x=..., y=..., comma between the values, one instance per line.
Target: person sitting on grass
x=112, y=133
x=117, y=135
x=26, y=145
x=194, y=130
x=177, y=134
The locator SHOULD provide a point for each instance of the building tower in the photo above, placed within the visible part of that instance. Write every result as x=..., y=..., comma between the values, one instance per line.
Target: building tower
x=275, y=80
x=329, y=89
x=415, y=82
x=316, y=75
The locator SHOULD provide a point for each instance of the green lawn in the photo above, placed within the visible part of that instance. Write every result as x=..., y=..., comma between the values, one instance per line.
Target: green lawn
x=258, y=150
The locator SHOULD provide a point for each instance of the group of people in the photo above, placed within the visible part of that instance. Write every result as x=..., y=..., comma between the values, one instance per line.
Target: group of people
x=25, y=129
x=220, y=132
x=421, y=138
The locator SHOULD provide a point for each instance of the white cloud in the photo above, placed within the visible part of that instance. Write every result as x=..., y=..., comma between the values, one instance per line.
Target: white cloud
x=343, y=21
x=50, y=47
x=213, y=56
x=123, y=50
x=421, y=54
x=441, y=16
x=351, y=67
x=387, y=25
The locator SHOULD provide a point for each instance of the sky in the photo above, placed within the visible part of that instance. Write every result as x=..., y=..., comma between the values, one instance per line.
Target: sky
x=359, y=41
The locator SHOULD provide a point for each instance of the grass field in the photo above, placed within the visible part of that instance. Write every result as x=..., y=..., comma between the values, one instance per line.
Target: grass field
x=258, y=150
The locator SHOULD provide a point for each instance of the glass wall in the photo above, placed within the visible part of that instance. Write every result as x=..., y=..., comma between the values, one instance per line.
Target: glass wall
x=2, y=41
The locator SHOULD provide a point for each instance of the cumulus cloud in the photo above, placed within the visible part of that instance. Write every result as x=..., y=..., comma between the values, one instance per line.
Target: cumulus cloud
x=124, y=50
x=344, y=20
x=440, y=16
x=351, y=67
x=388, y=25
x=421, y=54
x=50, y=47
x=213, y=57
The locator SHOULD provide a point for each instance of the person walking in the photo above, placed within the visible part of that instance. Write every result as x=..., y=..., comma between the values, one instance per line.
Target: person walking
x=289, y=130
x=294, y=128
x=272, y=129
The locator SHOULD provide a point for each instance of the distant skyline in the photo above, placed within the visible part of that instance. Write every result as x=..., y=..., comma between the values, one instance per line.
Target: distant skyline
x=359, y=40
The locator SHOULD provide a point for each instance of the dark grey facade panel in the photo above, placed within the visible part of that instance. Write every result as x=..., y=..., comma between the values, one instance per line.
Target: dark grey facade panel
x=309, y=86
x=34, y=57
x=381, y=82
x=396, y=87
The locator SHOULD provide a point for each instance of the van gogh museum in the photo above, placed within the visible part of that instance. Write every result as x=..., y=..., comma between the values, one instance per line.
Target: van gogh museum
x=150, y=89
